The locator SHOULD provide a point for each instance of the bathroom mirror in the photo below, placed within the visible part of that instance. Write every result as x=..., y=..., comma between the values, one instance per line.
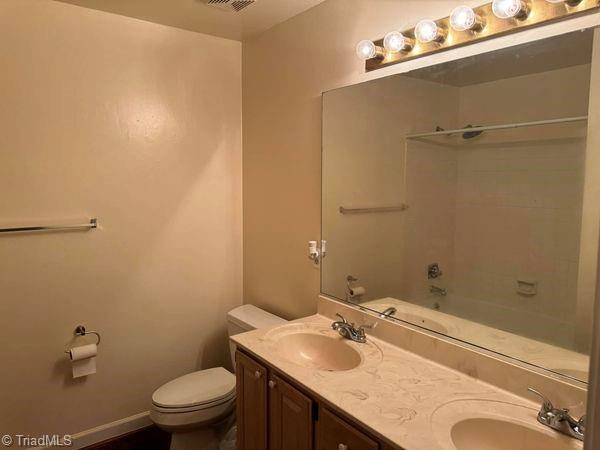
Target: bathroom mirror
x=454, y=198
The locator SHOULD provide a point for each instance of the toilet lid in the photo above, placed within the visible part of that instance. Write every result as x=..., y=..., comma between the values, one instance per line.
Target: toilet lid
x=197, y=388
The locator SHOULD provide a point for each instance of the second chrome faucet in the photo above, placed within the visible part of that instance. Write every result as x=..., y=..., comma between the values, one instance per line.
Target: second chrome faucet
x=559, y=419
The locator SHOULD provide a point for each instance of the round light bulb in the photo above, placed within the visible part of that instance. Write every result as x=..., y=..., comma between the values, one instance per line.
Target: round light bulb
x=427, y=31
x=366, y=50
x=396, y=42
x=463, y=18
x=507, y=9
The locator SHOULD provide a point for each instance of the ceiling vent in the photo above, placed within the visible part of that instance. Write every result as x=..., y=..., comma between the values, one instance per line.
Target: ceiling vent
x=230, y=5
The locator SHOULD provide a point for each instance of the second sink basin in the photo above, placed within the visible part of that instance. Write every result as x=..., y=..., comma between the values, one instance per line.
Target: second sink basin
x=319, y=351
x=477, y=424
x=494, y=434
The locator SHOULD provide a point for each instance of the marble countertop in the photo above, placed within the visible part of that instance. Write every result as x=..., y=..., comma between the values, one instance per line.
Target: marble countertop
x=395, y=393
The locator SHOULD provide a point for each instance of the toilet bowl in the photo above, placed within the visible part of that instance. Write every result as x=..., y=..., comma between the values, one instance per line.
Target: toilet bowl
x=197, y=408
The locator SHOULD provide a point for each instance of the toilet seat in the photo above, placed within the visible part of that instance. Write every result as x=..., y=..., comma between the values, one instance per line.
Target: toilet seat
x=197, y=390
x=198, y=407
x=174, y=421
x=198, y=398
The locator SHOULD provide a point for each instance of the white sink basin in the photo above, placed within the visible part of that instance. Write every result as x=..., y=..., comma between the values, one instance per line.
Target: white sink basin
x=319, y=351
x=317, y=346
x=476, y=424
x=494, y=434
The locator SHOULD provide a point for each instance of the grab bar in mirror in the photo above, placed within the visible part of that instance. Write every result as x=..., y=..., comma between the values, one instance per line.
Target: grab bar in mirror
x=498, y=127
x=379, y=209
x=84, y=226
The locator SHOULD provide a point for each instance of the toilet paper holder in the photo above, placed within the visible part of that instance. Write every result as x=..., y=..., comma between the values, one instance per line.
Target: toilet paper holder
x=81, y=331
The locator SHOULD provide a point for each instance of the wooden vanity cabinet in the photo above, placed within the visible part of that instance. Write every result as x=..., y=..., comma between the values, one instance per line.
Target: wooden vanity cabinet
x=251, y=403
x=290, y=417
x=273, y=414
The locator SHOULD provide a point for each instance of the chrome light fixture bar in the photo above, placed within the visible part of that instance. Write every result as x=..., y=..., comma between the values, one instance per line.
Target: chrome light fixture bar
x=467, y=25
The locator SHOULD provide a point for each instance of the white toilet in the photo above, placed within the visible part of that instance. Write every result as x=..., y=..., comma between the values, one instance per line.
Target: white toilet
x=197, y=408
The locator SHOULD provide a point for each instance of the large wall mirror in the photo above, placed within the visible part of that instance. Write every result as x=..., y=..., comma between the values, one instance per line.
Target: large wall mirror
x=454, y=198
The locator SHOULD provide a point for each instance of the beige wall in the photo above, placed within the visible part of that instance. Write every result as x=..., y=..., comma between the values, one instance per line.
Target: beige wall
x=285, y=71
x=139, y=125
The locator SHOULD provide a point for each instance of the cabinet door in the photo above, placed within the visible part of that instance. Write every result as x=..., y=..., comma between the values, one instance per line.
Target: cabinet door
x=251, y=391
x=290, y=417
x=334, y=433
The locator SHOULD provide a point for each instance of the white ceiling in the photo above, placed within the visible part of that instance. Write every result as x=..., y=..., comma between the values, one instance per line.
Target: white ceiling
x=196, y=15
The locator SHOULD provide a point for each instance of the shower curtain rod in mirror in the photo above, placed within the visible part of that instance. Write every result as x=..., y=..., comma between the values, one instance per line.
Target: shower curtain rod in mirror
x=498, y=127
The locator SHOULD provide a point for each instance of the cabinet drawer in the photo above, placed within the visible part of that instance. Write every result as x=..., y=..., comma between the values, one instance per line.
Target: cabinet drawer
x=334, y=433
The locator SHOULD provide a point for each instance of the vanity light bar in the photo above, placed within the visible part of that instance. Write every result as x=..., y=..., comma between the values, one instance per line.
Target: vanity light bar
x=467, y=25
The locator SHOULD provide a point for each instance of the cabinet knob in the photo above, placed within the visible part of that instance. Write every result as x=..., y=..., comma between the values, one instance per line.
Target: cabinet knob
x=342, y=447
x=272, y=384
x=257, y=374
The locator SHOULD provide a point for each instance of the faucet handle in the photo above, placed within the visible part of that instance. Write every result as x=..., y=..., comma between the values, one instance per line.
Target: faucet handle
x=361, y=329
x=547, y=404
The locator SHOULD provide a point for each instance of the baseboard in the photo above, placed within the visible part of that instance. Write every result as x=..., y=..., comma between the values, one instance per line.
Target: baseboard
x=108, y=431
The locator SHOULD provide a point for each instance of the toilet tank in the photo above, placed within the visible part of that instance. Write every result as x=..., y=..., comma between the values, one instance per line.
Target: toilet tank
x=246, y=318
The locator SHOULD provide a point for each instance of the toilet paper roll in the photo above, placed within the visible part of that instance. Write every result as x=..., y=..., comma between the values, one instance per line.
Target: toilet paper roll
x=83, y=360
x=357, y=291
x=83, y=352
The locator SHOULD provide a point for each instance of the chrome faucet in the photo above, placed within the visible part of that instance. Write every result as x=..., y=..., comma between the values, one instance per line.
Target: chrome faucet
x=348, y=330
x=559, y=419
